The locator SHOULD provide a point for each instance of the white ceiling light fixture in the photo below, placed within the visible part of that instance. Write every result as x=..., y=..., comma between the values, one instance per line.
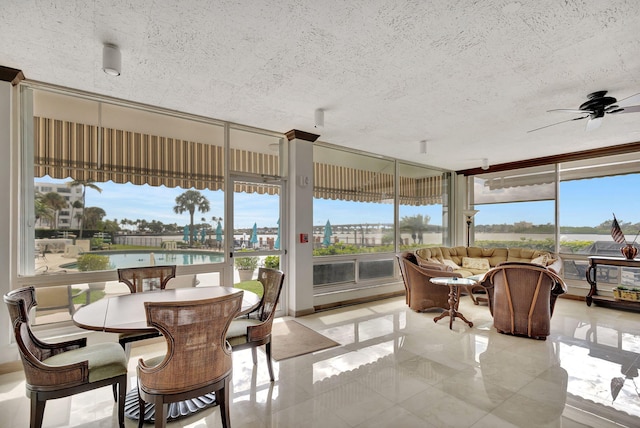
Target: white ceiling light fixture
x=111, y=59
x=485, y=164
x=423, y=147
x=319, y=118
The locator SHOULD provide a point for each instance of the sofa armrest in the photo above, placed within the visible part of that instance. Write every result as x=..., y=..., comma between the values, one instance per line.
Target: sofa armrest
x=434, y=273
x=556, y=267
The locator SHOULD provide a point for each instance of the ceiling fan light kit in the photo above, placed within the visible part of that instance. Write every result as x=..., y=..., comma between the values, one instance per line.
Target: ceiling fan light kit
x=597, y=105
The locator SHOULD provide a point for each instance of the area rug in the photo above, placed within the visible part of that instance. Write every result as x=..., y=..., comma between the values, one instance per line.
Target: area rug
x=291, y=339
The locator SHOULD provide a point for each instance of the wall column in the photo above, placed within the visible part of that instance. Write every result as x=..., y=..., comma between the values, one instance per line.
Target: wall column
x=9, y=78
x=300, y=210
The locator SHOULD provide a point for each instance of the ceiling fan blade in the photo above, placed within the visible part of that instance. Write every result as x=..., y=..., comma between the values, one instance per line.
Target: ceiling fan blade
x=570, y=110
x=558, y=123
x=594, y=123
x=629, y=109
x=629, y=101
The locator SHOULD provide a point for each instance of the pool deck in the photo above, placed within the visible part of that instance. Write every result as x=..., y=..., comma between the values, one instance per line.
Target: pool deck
x=53, y=262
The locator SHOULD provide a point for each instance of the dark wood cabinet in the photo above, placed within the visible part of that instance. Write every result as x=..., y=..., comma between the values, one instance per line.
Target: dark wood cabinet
x=592, y=277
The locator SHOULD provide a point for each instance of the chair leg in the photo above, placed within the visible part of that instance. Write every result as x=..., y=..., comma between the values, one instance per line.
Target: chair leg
x=161, y=413
x=37, y=411
x=254, y=354
x=222, y=397
x=122, y=394
x=269, y=365
x=126, y=346
x=141, y=409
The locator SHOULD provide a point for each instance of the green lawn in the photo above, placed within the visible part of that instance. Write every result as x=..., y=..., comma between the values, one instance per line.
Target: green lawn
x=254, y=286
x=95, y=295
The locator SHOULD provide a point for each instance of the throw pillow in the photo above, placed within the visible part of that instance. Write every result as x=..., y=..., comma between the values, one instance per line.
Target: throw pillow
x=544, y=260
x=540, y=260
x=432, y=264
x=450, y=263
x=473, y=263
x=435, y=266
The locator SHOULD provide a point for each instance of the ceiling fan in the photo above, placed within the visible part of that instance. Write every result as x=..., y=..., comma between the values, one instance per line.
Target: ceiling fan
x=597, y=105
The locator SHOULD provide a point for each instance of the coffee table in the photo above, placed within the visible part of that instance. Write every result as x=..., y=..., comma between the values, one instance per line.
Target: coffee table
x=454, y=297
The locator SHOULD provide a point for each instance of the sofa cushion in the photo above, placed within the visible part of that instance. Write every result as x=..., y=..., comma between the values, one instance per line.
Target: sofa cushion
x=475, y=263
x=429, y=253
x=524, y=254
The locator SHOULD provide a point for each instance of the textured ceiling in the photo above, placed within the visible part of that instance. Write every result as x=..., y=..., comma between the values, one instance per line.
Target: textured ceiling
x=469, y=77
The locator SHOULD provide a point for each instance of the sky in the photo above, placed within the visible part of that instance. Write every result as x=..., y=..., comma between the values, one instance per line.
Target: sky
x=583, y=203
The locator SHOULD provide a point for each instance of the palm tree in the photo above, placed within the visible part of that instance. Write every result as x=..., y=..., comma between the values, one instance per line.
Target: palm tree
x=55, y=202
x=76, y=205
x=84, y=183
x=190, y=201
x=416, y=224
x=93, y=216
x=42, y=211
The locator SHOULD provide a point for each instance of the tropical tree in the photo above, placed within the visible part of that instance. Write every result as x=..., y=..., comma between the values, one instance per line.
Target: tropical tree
x=110, y=226
x=42, y=212
x=91, y=185
x=190, y=201
x=416, y=224
x=55, y=202
x=76, y=205
x=93, y=217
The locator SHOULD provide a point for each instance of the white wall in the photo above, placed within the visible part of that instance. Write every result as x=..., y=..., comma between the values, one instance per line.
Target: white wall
x=8, y=352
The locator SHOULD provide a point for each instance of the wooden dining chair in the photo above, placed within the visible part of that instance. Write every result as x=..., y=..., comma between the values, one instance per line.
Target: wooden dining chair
x=198, y=359
x=255, y=329
x=55, y=370
x=139, y=280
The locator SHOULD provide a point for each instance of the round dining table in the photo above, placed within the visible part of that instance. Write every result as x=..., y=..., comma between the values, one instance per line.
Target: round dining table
x=126, y=314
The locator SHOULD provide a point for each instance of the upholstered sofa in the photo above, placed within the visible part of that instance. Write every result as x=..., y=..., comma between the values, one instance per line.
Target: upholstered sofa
x=469, y=261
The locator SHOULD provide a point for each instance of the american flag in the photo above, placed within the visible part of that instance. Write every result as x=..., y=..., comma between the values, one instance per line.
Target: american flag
x=616, y=232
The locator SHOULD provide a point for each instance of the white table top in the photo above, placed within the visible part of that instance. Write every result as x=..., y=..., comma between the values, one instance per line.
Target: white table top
x=126, y=313
x=453, y=281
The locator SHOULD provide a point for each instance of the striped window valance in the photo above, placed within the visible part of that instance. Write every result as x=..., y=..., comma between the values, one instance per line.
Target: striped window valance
x=350, y=184
x=421, y=191
x=64, y=149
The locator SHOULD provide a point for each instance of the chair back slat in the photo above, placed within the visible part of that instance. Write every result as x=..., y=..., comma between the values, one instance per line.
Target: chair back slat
x=271, y=280
x=146, y=278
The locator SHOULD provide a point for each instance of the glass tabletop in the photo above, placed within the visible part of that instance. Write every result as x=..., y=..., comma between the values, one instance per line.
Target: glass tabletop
x=453, y=281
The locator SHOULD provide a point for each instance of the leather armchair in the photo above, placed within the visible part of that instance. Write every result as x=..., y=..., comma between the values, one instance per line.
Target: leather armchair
x=522, y=297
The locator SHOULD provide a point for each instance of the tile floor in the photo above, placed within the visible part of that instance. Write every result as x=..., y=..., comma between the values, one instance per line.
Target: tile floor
x=396, y=368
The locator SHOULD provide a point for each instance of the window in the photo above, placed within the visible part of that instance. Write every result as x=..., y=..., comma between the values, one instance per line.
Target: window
x=353, y=202
x=515, y=208
x=139, y=186
x=423, y=221
x=355, y=235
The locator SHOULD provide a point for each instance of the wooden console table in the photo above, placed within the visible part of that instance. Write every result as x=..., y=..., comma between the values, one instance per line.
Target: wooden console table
x=592, y=271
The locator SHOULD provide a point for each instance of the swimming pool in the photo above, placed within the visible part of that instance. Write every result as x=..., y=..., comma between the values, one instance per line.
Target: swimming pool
x=137, y=258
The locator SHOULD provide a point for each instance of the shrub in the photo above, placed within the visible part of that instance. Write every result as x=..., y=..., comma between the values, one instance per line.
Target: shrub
x=89, y=262
x=272, y=262
x=246, y=263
